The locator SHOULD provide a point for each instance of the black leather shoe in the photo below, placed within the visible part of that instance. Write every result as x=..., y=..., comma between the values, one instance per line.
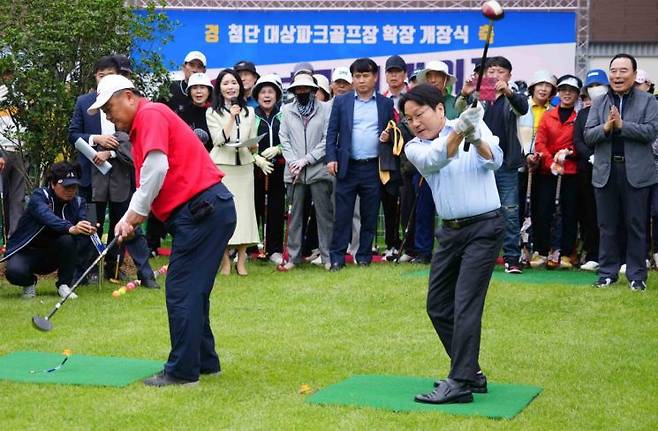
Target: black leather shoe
x=335, y=267
x=163, y=379
x=150, y=283
x=449, y=391
x=477, y=386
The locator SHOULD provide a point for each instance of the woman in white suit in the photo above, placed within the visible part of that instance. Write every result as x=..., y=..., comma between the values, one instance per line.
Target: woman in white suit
x=230, y=122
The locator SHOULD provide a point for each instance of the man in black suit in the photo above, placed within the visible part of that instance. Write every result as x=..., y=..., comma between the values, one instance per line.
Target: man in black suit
x=358, y=153
x=621, y=128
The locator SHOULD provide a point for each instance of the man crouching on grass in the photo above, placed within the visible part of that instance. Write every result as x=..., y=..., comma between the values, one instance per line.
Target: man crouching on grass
x=49, y=233
x=465, y=195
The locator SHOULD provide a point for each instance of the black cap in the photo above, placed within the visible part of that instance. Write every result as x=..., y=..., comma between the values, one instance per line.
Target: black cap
x=125, y=67
x=395, y=62
x=67, y=177
x=245, y=66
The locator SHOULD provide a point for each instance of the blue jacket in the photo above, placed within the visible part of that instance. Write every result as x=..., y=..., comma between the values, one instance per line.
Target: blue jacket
x=339, y=133
x=82, y=125
x=39, y=215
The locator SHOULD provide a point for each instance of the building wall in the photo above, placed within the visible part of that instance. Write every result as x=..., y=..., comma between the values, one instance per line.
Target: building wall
x=624, y=21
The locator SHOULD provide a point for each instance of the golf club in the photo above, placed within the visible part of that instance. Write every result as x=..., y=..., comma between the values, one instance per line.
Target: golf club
x=494, y=11
x=262, y=255
x=412, y=217
x=43, y=323
x=526, y=228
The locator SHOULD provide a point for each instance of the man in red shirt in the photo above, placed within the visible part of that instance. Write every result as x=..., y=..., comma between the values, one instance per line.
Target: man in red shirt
x=178, y=182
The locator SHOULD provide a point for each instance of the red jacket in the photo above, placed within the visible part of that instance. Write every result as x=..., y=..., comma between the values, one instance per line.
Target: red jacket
x=553, y=136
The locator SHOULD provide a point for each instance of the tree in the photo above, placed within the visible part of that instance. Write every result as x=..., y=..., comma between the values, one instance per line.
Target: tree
x=49, y=50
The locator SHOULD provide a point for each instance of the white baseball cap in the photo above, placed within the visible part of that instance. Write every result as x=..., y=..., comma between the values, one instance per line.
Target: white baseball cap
x=106, y=88
x=436, y=66
x=198, y=79
x=641, y=77
x=195, y=55
x=341, y=73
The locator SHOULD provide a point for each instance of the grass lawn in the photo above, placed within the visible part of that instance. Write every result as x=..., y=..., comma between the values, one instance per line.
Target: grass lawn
x=593, y=351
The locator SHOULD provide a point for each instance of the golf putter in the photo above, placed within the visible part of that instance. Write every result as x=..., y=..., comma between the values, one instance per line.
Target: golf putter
x=43, y=323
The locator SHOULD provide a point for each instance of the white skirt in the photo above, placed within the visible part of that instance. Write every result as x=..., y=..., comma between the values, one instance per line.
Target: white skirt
x=240, y=181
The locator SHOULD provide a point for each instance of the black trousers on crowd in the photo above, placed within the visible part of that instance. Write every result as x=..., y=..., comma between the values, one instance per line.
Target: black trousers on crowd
x=276, y=207
x=155, y=232
x=619, y=203
x=407, y=208
x=59, y=255
x=547, y=236
x=459, y=278
x=389, y=194
x=589, y=228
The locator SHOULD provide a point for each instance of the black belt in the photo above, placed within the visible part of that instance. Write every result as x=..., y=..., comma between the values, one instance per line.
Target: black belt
x=459, y=223
x=618, y=159
x=363, y=161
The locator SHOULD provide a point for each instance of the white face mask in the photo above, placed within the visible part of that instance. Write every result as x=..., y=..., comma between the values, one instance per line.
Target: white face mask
x=597, y=91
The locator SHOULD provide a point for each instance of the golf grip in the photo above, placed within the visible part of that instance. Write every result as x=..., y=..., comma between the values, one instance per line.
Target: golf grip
x=84, y=274
x=467, y=145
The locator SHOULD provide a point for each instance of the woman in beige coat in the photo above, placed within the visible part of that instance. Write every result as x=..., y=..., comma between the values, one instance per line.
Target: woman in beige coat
x=230, y=122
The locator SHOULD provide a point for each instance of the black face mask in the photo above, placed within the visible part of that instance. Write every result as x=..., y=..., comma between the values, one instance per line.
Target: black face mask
x=303, y=98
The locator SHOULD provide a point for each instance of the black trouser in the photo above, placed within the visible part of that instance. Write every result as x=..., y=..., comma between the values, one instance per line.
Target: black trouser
x=155, y=232
x=619, y=203
x=389, y=194
x=547, y=236
x=589, y=229
x=136, y=246
x=276, y=209
x=407, y=208
x=59, y=255
x=459, y=278
x=13, y=184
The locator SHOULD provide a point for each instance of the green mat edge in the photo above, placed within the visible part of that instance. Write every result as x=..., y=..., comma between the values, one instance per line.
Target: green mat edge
x=432, y=409
x=79, y=384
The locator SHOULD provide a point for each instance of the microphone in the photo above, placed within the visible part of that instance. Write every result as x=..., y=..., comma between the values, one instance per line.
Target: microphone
x=234, y=101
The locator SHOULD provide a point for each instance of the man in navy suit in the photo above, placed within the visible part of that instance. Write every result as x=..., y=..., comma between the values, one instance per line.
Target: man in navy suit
x=357, y=155
x=100, y=134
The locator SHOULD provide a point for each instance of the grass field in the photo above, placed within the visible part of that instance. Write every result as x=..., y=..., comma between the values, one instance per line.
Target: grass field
x=593, y=351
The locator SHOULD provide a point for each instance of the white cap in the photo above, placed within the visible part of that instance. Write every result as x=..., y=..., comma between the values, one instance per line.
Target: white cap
x=641, y=77
x=436, y=66
x=341, y=73
x=323, y=82
x=106, y=88
x=303, y=80
x=198, y=79
x=543, y=76
x=195, y=55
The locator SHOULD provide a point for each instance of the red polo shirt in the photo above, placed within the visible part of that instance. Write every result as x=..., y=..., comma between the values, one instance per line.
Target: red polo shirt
x=191, y=171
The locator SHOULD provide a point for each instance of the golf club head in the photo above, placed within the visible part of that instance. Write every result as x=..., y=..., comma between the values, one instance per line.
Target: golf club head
x=493, y=10
x=42, y=324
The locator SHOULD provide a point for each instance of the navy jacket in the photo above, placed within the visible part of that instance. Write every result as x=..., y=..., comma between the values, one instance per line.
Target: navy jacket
x=82, y=125
x=39, y=215
x=339, y=133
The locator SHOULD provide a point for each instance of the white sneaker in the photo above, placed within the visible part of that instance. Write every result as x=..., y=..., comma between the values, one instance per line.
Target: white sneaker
x=655, y=259
x=64, y=291
x=537, y=260
x=590, y=265
x=29, y=292
x=317, y=261
x=622, y=270
x=315, y=253
x=276, y=258
x=390, y=254
x=405, y=258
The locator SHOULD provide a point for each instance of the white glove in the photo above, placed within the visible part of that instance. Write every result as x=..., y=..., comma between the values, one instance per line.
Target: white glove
x=3, y=92
x=271, y=152
x=473, y=136
x=263, y=164
x=297, y=166
x=468, y=120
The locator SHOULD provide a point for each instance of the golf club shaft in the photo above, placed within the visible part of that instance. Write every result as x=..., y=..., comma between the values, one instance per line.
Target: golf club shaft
x=84, y=274
x=467, y=144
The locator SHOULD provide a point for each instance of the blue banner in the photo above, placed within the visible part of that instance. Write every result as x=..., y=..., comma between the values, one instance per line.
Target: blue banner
x=275, y=37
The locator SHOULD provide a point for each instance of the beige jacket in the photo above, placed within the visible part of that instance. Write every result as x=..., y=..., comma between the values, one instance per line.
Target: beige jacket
x=220, y=153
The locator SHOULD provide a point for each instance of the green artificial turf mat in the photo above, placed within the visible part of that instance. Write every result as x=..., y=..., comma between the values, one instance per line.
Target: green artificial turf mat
x=504, y=401
x=78, y=370
x=534, y=276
